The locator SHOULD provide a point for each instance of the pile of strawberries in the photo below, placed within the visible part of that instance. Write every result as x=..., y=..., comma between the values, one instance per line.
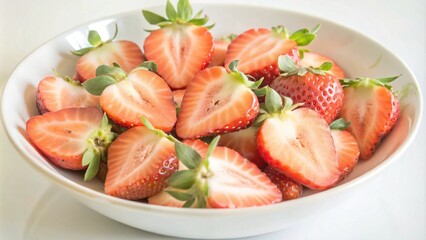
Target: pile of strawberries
x=193, y=121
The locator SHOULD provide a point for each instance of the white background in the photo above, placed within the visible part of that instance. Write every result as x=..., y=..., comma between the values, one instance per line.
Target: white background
x=393, y=208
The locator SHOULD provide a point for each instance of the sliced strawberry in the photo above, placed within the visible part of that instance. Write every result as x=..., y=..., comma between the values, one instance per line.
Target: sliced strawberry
x=258, y=50
x=237, y=182
x=298, y=143
x=312, y=59
x=128, y=97
x=220, y=47
x=67, y=137
x=372, y=109
x=139, y=162
x=288, y=187
x=216, y=102
x=186, y=46
x=347, y=151
x=126, y=54
x=244, y=142
x=56, y=93
x=317, y=89
x=165, y=199
x=221, y=179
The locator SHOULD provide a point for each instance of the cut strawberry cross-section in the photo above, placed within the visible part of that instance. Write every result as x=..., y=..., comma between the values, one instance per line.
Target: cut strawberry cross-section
x=181, y=47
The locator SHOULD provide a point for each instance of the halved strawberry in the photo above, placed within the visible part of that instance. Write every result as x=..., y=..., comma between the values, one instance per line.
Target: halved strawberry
x=315, y=60
x=258, y=50
x=72, y=138
x=220, y=47
x=216, y=102
x=126, y=54
x=164, y=198
x=347, y=149
x=56, y=93
x=125, y=98
x=139, y=162
x=288, y=187
x=221, y=179
x=314, y=87
x=298, y=142
x=181, y=47
x=372, y=109
x=244, y=142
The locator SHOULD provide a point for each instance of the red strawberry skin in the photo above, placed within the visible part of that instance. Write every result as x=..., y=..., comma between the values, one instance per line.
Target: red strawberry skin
x=300, y=146
x=139, y=162
x=238, y=183
x=55, y=93
x=347, y=151
x=62, y=135
x=322, y=93
x=185, y=50
x=372, y=112
x=142, y=93
x=258, y=51
x=127, y=54
x=313, y=59
x=214, y=103
x=290, y=189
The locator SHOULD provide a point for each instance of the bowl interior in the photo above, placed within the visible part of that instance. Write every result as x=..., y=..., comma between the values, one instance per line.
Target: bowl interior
x=355, y=53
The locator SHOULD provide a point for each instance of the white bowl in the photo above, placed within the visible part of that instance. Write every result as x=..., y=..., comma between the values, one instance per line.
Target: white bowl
x=357, y=55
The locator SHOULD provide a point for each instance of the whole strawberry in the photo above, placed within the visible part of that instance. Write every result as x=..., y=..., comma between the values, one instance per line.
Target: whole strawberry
x=372, y=108
x=314, y=87
x=181, y=47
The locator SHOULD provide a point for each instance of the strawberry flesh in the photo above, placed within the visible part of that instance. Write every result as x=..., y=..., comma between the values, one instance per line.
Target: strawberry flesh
x=244, y=142
x=56, y=93
x=347, y=151
x=372, y=110
x=139, y=162
x=299, y=144
x=237, y=182
x=184, y=50
x=126, y=54
x=215, y=103
x=62, y=135
x=142, y=93
x=258, y=51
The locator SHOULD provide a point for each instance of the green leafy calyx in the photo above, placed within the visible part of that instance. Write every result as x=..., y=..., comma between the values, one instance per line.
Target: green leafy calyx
x=302, y=36
x=368, y=82
x=288, y=67
x=182, y=15
x=191, y=185
x=339, y=124
x=97, y=147
x=105, y=76
x=241, y=77
x=95, y=41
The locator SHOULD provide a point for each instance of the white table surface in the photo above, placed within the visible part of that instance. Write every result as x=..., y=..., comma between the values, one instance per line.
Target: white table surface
x=33, y=208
